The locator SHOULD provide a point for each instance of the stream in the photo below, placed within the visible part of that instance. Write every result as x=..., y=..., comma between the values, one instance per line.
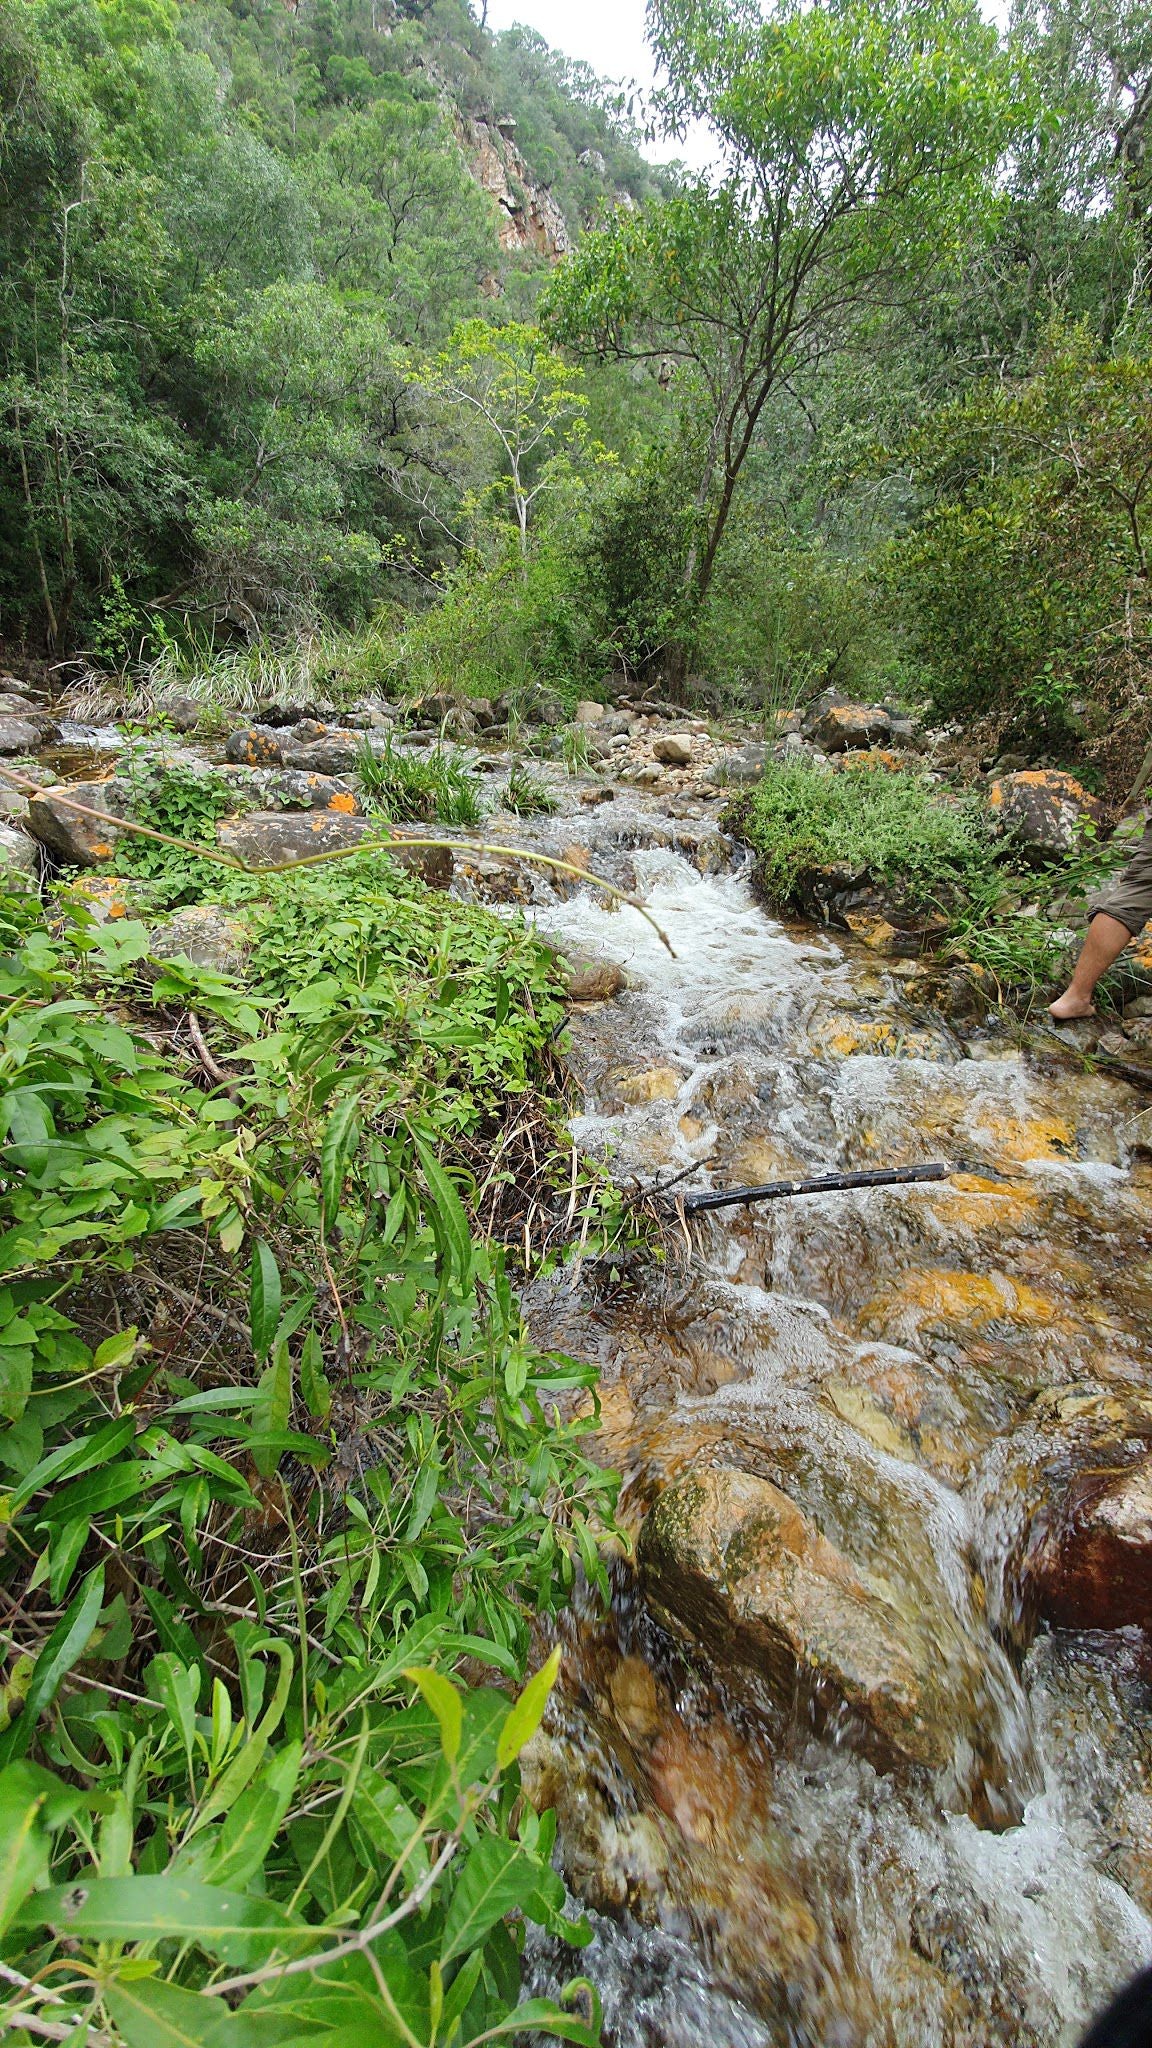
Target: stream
x=940, y=1833
x=827, y=1775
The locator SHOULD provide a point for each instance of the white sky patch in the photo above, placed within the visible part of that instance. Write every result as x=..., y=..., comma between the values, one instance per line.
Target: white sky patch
x=609, y=35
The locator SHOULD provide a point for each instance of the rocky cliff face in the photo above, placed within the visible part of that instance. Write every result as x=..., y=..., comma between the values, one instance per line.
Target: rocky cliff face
x=530, y=220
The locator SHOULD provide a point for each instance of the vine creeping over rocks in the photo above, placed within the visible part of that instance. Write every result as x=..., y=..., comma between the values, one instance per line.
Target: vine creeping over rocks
x=278, y=1462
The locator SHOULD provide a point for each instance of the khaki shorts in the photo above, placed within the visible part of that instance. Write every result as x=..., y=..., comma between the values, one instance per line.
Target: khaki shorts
x=1129, y=898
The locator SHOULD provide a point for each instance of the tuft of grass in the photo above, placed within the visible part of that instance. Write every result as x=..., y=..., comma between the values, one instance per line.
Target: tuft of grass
x=408, y=787
x=575, y=748
x=525, y=796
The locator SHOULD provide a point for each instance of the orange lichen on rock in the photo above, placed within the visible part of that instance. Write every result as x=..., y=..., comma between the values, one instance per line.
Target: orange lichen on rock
x=954, y=1297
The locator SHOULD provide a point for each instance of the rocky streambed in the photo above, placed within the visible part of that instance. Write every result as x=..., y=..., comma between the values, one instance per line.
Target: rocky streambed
x=862, y=1752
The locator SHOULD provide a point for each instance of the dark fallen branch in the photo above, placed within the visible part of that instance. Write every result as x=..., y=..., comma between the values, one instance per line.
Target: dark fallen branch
x=828, y=1184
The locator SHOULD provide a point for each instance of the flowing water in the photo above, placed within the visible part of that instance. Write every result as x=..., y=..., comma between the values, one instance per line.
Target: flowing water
x=916, y=1370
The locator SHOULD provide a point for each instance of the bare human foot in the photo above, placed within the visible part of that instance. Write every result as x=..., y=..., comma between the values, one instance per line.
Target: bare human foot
x=1068, y=1007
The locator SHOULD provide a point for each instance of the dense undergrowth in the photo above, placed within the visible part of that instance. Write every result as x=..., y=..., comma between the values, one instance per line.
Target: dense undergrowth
x=280, y=1468
x=936, y=852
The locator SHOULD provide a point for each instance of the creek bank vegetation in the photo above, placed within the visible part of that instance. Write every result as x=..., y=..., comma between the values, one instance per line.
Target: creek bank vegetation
x=278, y=1462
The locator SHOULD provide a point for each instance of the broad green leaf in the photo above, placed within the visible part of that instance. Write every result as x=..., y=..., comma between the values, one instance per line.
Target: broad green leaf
x=70, y=1459
x=177, y=1687
x=336, y=1149
x=64, y=1648
x=152, y=2014
x=314, y=1386
x=225, y=1923
x=119, y=1349
x=496, y=1879
x=541, y=2015
x=449, y=1208
x=270, y=1411
x=444, y=1699
x=525, y=1716
x=254, y=1822
x=264, y=1298
x=16, y=1363
x=24, y=1845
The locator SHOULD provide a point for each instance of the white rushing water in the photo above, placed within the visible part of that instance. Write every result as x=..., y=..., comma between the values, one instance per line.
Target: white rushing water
x=752, y=1052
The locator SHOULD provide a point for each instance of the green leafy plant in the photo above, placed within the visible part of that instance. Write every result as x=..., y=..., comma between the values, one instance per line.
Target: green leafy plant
x=525, y=795
x=575, y=748
x=274, y=1437
x=410, y=786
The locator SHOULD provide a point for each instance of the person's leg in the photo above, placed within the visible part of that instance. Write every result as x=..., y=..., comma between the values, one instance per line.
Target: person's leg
x=1105, y=942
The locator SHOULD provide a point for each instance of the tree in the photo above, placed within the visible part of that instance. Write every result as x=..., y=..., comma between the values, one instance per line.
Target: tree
x=511, y=387
x=857, y=141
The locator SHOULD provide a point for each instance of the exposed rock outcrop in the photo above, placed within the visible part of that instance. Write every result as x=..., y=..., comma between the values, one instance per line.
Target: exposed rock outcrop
x=1043, y=809
x=528, y=216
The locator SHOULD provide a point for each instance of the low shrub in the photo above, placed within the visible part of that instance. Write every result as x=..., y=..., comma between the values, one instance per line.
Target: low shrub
x=1017, y=923
x=894, y=826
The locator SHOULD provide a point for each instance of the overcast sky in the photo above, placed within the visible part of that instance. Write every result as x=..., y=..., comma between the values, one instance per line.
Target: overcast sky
x=609, y=35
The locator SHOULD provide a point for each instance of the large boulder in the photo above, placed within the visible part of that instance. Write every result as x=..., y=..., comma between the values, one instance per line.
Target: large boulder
x=206, y=934
x=76, y=840
x=19, y=858
x=180, y=710
x=1095, y=1571
x=266, y=839
x=746, y=766
x=739, y=1569
x=589, y=713
x=24, y=734
x=337, y=754
x=254, y=746
x=1043, y=809
x=301, y=789
x=676, y=749
x=845, y=726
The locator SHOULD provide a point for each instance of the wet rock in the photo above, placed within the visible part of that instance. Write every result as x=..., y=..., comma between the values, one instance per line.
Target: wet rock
x=747, y=766
x=676, y=749
x=1042, y=809
x=589, y=713
x=14, y=703
x=541, y=707
x=712, y=853
x=207, y=935
x=274, y=838
x=731, y=1562
x=182, y=712
x=299, y=789
x=23, y=735
x=69, y=837
x=845, y=726
x=593, y=981
x=254, y=746
x=19, y=858
x=1097, y=1573
x=658, y=1084
x=335, y=755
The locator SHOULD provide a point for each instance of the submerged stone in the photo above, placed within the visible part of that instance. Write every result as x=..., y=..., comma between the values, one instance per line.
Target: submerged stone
x=735, y=1565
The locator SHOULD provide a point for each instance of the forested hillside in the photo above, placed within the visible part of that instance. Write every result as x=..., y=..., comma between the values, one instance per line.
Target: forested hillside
x=242, y=400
